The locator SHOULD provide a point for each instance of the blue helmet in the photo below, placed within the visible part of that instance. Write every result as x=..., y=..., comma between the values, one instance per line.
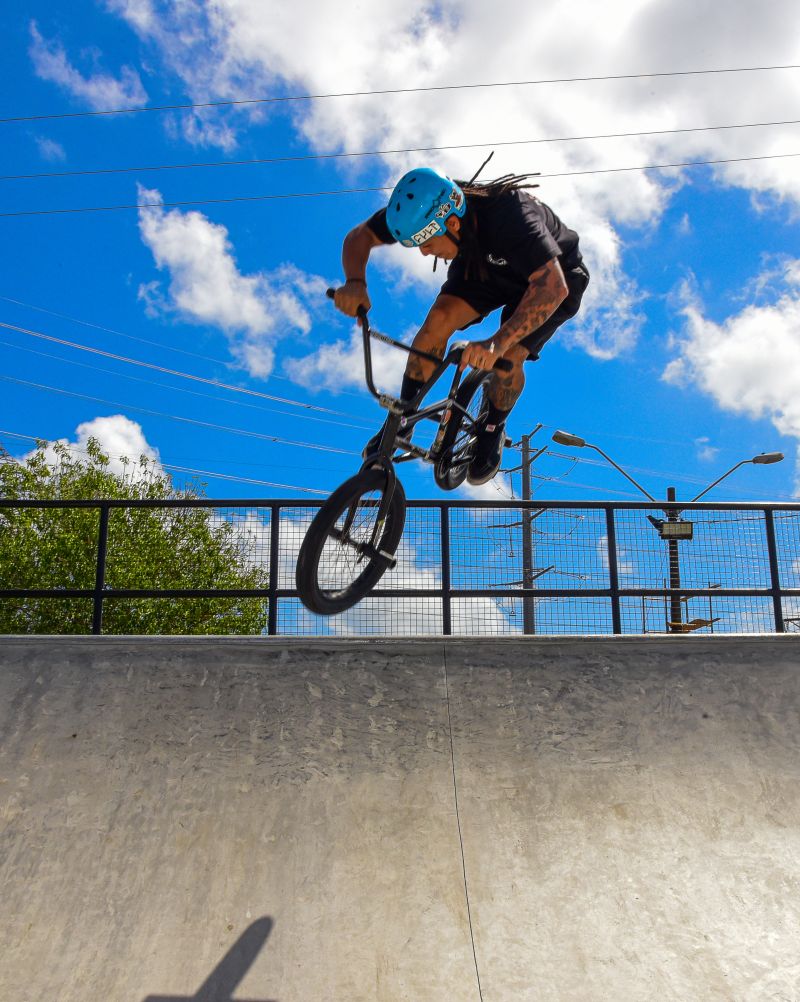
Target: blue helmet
x=421, y=203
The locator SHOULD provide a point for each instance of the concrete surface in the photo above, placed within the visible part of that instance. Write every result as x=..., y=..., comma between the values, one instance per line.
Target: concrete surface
x=275, y=820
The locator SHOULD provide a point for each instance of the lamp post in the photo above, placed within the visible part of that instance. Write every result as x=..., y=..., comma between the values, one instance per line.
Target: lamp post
x=674, y=528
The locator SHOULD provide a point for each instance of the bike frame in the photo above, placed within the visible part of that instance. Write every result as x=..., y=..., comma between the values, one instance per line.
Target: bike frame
x=404, y=414
x=407, y=412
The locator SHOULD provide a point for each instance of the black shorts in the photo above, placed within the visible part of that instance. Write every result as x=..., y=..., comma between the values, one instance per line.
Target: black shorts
x=485, y=300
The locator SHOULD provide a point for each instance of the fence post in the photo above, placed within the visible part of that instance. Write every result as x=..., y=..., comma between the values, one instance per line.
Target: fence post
x=613, y=572
x=444, y=522
x=100, y=574
x=528, y=611
x=774, y=572
x=274, y=543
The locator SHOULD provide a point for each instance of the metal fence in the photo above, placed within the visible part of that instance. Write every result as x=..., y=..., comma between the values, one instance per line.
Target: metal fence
x=464, y=568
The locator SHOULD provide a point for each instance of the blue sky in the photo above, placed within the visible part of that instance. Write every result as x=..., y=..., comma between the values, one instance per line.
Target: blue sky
x=685, y=360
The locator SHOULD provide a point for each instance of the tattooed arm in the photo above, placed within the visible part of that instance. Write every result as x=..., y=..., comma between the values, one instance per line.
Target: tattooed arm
x=547, y=290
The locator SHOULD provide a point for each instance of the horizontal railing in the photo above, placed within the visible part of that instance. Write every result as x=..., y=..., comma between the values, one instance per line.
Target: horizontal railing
x=561, y=567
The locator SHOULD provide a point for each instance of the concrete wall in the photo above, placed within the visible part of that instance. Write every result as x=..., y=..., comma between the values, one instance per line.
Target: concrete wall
x=304, y=821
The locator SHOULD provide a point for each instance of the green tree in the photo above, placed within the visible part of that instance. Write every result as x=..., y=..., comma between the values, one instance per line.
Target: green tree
x=148, y=548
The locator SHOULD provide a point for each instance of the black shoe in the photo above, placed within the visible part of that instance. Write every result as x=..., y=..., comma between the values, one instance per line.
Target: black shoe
x=371, y=448
x=488, y=454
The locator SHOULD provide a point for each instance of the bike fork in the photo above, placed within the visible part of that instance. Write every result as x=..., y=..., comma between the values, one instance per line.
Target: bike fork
x=384, y=460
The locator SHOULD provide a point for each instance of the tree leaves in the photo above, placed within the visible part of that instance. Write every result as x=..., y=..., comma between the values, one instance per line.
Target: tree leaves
x=148, y=548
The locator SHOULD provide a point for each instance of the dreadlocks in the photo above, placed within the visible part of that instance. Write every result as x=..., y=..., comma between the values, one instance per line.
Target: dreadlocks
x=491, y=189
x=475, y=266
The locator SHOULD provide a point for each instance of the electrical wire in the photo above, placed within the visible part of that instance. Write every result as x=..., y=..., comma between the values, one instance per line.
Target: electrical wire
x=91, y=172
x=516, y=446
x=681, y=478
x=362, y=191
x=173, y=372
x=171, y=466
x=182, y=389
x=285, y=99
x=175, y=417
x=204, y=201
x=153, y=344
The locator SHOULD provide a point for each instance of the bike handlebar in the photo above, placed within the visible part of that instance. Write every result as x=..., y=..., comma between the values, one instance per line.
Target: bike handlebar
x=453, y=356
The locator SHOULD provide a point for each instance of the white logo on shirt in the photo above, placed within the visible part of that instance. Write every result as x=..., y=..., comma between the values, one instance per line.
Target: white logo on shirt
x=499, y=261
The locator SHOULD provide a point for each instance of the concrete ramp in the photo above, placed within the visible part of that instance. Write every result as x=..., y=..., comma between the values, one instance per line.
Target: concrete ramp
x=294, y=820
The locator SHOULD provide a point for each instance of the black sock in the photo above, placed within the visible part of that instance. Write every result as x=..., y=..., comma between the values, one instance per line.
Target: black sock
x=495, y=417
x=410, y=387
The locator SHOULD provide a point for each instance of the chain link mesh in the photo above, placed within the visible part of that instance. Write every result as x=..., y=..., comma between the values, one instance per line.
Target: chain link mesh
x=462, y=568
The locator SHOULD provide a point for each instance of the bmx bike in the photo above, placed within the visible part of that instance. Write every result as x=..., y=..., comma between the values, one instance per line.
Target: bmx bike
x=353, y=538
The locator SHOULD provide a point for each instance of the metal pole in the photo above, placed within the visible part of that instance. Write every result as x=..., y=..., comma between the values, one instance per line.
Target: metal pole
x=675, y=613
x=528, y=620
x=100, y=573
x=444, y=523
x=613, y=570
x=774, y=572
x=274, y=546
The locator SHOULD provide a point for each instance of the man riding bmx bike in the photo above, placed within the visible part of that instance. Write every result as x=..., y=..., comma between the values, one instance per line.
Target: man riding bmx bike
x=506, y=250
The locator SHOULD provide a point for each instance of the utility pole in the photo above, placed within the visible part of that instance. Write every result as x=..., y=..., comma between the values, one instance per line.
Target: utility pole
x=528, y=619
x=528, y=608
x=675, y=613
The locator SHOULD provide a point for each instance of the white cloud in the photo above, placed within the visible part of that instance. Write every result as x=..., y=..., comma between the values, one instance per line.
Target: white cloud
x=99, y=90
x=206, y=287
x=119, y=437
x=241, y=48
x=705, y=451
x=340, y=365
x=750, y=363
x=416, y=568
x=50, y=150
x=499, y=488
x=139, y=13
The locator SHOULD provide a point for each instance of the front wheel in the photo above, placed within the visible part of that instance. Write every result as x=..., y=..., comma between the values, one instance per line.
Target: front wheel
x=350, y=545
x=456, y=450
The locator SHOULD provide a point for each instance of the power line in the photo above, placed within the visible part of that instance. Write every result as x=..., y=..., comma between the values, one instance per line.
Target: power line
x=141, y=340
x=172, y=372
x=91, y=172
x=208, y=358
x=294, y=467
x=175, y=417
x=206, y=201
x=178, y=469
x=361, y=191
x=285, y=99
x=682, y=478
x=183, y=389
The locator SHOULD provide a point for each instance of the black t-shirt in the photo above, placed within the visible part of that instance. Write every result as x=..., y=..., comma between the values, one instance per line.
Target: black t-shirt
x=517, y=234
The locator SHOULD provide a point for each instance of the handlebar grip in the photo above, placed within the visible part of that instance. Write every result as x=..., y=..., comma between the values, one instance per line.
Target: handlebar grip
x=503, y=365
x=361, y=313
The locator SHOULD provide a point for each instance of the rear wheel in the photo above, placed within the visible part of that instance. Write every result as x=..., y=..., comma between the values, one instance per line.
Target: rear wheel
x=349, y=546
x=456, y=451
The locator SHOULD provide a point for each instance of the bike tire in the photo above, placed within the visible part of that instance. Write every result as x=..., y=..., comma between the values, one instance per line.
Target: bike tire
x=450, y=470
x=331, y=576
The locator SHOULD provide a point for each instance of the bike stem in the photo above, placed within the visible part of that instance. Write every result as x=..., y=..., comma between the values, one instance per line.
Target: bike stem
x=392, y=404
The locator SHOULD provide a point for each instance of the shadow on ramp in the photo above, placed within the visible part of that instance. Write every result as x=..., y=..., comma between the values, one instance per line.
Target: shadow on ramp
x=223, y=980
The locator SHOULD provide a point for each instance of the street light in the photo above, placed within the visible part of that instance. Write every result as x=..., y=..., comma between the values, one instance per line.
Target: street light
x=674, y=528
x=575, y=442
x=763, y=459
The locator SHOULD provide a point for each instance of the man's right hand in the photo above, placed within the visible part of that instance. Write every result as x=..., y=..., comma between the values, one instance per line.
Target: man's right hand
x=350, y=296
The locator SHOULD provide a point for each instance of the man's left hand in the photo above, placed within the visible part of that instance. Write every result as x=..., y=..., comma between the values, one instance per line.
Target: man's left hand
x=480, y=355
